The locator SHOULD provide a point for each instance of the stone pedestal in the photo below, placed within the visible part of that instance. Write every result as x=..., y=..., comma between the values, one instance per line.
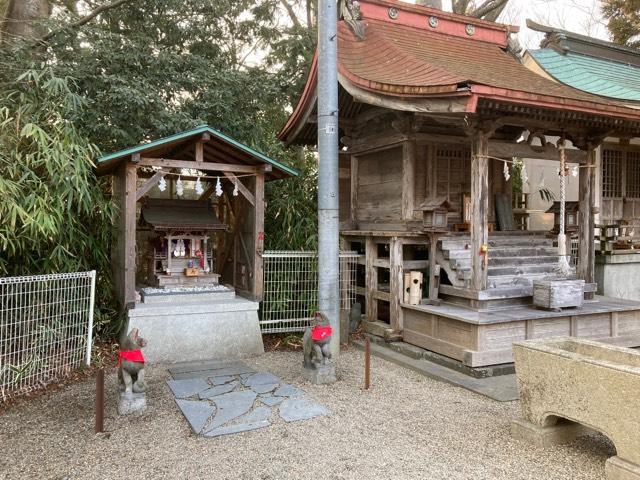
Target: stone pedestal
x=618, y=469
x=135, y=403
x=562, y=432
x=321, y=375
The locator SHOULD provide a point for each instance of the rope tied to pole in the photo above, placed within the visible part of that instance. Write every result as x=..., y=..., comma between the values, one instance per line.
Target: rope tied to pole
x=563, y=268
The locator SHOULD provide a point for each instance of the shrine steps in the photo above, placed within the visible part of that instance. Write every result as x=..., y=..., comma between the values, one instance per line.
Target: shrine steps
x=514, y=259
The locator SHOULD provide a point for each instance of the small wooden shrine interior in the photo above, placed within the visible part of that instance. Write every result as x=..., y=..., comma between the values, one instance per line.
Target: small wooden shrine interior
x=433, y=108
x=191, y=213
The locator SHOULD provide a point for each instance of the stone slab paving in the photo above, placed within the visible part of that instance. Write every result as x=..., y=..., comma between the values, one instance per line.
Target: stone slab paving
x=222, y=398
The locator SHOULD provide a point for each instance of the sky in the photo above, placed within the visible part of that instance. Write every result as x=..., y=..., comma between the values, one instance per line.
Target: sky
x=580, y=16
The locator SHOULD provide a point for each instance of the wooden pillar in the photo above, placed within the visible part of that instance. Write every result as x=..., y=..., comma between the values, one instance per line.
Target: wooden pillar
x=371, y=279
x=258, y=232
x=353, y=206
x=396, y=283
x=433, y=249
x=479, y=208
x=129, y=233
x=586, y=197
x=408, y=178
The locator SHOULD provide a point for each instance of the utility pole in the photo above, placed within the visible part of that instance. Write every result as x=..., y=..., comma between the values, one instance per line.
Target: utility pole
x=328, y=222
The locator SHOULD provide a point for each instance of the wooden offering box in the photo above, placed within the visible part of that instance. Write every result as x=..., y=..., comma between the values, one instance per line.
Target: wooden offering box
x=554, y=294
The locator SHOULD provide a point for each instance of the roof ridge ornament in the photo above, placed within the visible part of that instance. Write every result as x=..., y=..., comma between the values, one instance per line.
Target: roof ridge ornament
x=351, y=14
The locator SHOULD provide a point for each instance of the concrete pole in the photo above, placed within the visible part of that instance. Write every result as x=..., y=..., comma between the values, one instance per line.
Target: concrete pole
x=328, y=223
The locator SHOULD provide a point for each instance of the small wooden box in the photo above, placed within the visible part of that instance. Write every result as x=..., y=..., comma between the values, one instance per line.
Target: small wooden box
x=191, y=272
x=558, y=293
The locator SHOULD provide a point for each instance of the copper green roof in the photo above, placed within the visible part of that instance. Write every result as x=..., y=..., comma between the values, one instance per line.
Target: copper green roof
x=598, y=76
x=221, y=148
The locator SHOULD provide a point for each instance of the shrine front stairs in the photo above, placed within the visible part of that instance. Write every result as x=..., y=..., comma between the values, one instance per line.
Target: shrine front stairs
x=191, y=326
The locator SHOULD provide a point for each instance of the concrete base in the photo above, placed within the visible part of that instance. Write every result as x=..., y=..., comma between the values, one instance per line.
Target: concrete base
x=134, y=404
x=618, y=275
x=178, y=331
x=323, y=375
x=618, y=469
x=562, y=432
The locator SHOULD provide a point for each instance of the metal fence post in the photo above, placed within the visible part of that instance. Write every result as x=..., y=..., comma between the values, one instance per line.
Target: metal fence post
x=92, y=299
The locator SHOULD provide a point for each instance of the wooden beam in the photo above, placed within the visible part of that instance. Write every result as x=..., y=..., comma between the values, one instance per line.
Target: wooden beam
x=353, y=206
x=408, y=178
x=204, y=166
x=479, y=208
x=149, y=184
x=258, y=235
x=244, y=190
x=371, y=279
x=396, y=284
x=208, y=192
x=199, y=152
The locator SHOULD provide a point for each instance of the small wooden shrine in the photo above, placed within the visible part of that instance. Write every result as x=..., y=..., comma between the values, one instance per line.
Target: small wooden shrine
x=191, y=213
x=435, y=105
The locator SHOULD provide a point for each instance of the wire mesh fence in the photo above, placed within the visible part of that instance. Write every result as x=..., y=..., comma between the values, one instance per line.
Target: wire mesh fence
x=291, y=289
x=46, y=327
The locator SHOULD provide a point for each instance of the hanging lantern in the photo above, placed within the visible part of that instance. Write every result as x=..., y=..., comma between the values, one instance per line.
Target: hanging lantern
x=505, y=170
x=162, y=184
x=218, y=188
x=198, y=188
x=179, y=187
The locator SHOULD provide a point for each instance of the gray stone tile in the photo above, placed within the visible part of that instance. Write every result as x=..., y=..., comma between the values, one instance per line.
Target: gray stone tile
x=294, y=409
x=187, y=387
x=258, y=414
x=214, y=373
x=196, y=412
x=264, y=387
x=219, y=390
x=196, y=366
x=271, y=400
x=260, y=378
x=230, y=406
x=222, y=379
x=243, y=427
x=287, y=390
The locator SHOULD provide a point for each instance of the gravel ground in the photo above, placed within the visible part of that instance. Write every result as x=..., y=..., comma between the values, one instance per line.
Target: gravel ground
x=406, y=427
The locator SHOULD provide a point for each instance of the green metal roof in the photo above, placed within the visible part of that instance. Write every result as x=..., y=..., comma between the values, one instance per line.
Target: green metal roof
x=196, y=131
x=594, y=75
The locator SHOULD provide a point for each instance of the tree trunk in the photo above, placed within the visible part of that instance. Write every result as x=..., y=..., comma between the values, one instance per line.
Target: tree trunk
x=22, y=19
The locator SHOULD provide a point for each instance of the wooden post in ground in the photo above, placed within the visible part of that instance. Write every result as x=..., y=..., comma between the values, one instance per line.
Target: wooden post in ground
x=396, y=284
x=479, y=207
x=99, y=427
x=367, y=363
x=371, y=279
x=258, y=231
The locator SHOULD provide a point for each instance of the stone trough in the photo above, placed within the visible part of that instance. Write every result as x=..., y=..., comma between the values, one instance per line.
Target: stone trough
x=568, y=384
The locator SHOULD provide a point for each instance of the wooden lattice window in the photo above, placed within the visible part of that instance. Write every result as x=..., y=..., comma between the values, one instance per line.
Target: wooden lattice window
x=611, y=173
x=632, y=180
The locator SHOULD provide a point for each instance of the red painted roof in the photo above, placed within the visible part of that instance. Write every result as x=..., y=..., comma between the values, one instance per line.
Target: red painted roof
x=406, y=57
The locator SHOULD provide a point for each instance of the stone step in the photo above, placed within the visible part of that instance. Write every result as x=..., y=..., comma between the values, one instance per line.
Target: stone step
x=465, y=263
x=187, y=296
x=504, y=252
x=531, y=242
x=188, y=308
x=520, y=270
x=503, y=281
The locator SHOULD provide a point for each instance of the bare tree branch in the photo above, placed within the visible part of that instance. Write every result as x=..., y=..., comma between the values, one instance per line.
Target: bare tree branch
x=292, y=14
x=86, y=19
x=490, y=9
